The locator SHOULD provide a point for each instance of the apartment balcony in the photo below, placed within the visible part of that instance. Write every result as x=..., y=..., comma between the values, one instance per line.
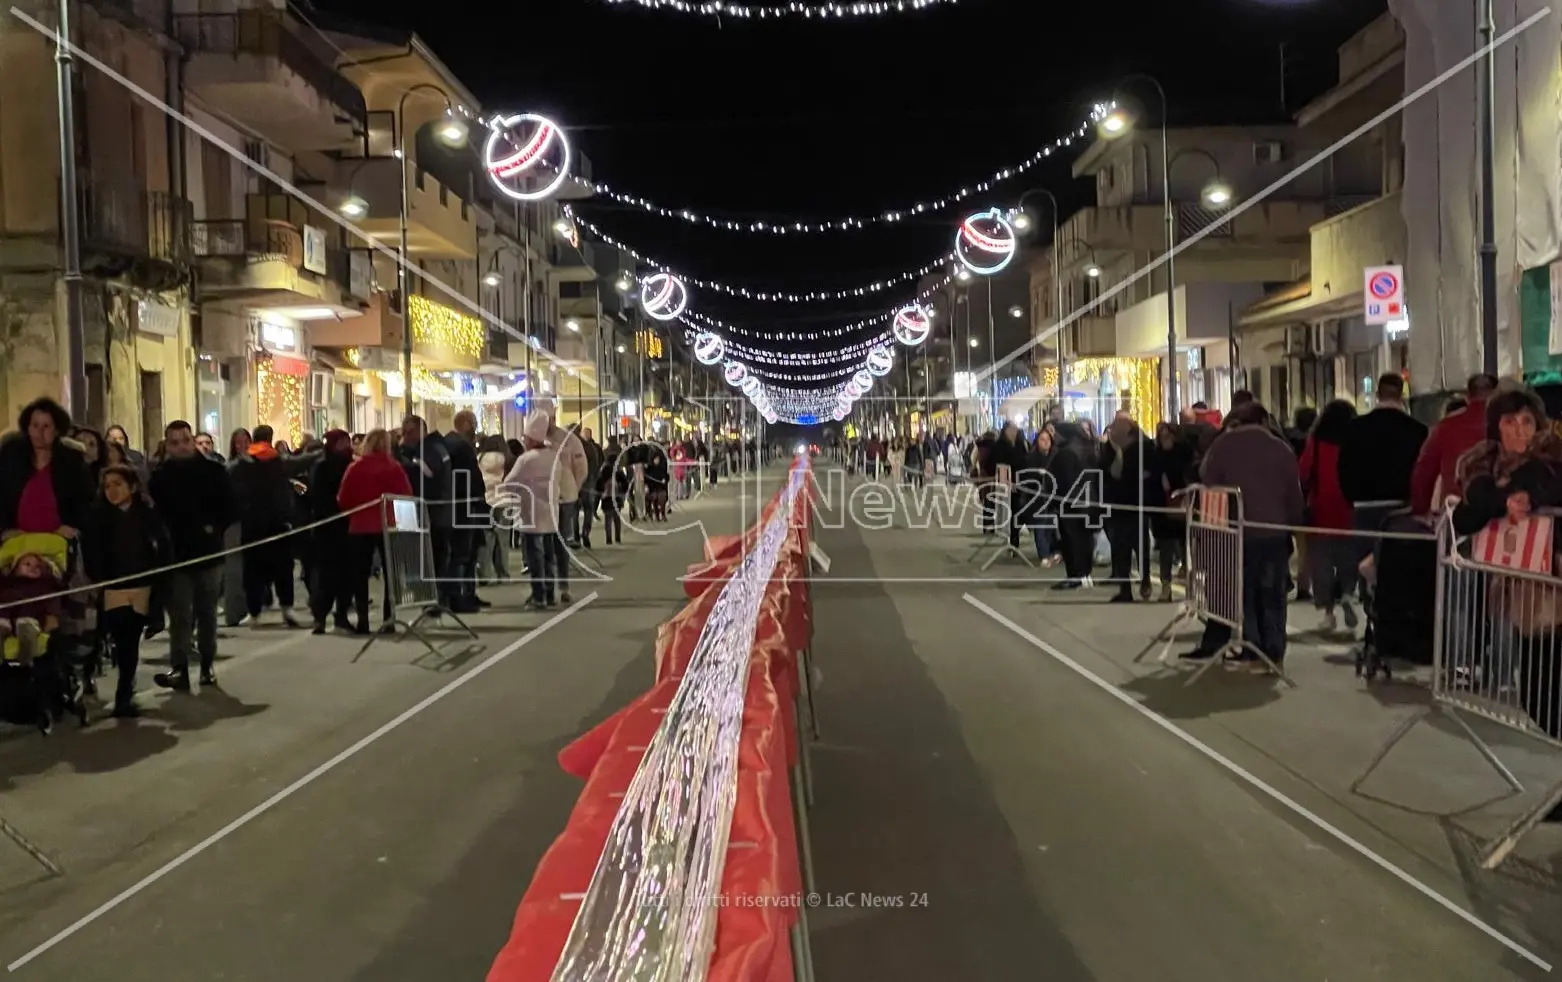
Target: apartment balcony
x=573, y=264
x=440, y=225
x=251, y=66
x=443, y=337
x=1091, y=337
x=123, y=227
x=276, y=265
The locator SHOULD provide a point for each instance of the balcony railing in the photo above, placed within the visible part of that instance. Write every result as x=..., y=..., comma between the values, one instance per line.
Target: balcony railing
x=142, y=224
x=265, y=33
x=273, y=239
x=218, y=239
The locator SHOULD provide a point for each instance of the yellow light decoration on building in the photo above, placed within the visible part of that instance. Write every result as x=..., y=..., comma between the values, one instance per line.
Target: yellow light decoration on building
x=439, y=326
x=280, y=400
x=1137, y=380
x=354, y=357
x=648, y=343
x=1049, y=376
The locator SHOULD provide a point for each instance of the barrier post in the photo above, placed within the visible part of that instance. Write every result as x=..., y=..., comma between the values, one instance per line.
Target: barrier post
x=1215, y=557
x=1001, y=493
x=410, y=576
x=1495, y=633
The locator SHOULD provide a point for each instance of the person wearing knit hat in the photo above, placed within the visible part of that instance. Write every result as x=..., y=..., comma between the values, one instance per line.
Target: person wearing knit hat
x=569, y=476
x=527, y=490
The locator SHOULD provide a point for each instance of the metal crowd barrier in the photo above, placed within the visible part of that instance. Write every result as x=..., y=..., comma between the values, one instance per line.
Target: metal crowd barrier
x=1496, y=656
x=1215, y=540
x=411, y=576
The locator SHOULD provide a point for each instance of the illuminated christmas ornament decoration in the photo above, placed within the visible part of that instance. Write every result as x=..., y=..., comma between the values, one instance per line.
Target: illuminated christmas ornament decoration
x=708, y=348
x=880, y=362
x=735, y=372
x=663, y=296
x=1083, y=132
x=863, y=380
x=985, y=242
x=853, y=390
x=527, y=156
x=750, y=386
x=838, y=414
x=912, y=324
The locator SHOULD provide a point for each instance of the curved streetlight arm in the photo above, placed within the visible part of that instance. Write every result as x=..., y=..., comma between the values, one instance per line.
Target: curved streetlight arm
x=1171, y=242
x=402, y=280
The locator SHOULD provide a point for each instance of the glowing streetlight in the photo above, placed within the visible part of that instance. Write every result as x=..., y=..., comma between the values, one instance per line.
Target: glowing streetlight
x=975, y=342
x=452, y=132
x=1115, y=123
x=492, y=278
x=573, y=325
x=1016, y=311
x=1093, y=271
x=353, y=207
x=1217, y=194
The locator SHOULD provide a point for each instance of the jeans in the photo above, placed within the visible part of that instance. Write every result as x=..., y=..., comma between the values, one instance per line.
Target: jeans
x=539, y=552
x=1044, y=536
x=588, y=513
x=569, y=512
x=492, y=559
x=190, y=601
x=1331, y=567
x=123, y=627
x=1265, y=565
x=612, y=523
x=267, y=567
x=1129, y=534
x=1078, y=546
x=365, y=549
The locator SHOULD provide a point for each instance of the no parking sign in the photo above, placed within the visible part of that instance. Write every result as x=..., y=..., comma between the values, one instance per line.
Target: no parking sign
x=1384, y=294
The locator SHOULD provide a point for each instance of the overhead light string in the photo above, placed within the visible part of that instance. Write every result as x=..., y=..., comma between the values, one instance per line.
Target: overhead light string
x=793, y=11
x=854, y=222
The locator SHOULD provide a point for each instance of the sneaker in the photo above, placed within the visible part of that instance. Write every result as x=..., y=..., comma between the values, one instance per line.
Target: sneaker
x=1350, y=615
x=532, y=603
x=1145, y=592
x=290, y=620
x=1166, y=593
x=208, y=678
x=249, y=620
x=177, y=681
x=566, y=597
x=1068, y=585
x=1329, y=625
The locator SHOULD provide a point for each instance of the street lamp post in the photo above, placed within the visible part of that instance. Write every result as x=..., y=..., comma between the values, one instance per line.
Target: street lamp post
x=452, y=133
x=1021, y=221
x=1488, y=251
x=1217, y=194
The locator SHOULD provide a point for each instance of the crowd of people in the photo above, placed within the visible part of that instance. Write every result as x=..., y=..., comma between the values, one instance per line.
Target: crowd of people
x=185, y=536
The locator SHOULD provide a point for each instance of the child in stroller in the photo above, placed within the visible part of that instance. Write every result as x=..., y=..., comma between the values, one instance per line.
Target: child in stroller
x=32, y=682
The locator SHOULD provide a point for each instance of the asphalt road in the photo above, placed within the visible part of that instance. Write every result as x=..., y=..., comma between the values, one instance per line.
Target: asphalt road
x=1029, y=824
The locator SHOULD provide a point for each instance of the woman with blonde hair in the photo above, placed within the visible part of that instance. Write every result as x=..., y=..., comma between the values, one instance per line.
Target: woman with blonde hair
x=372, y=476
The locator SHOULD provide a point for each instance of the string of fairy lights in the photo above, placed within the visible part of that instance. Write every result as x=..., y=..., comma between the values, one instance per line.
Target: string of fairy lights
x=794, y=10
x=528, y=156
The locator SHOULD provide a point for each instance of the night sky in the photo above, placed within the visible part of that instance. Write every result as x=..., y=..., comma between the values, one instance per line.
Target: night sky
x=809, y=120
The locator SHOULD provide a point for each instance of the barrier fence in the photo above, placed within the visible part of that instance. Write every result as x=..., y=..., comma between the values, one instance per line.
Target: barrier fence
x=687, y=854
x=410, y=572
x=1496, y=651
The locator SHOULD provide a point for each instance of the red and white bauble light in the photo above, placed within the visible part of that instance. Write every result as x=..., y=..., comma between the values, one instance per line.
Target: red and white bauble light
x=863, y=380
x=735, y=372
x=663, y=296
x=881, y=361
x=912, y=324
x=527, y=156
x=986, y=242
x=708, y=348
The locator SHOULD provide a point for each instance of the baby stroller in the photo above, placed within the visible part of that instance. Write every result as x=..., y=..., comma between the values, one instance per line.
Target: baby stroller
x=1400, y=584
x=41, y=667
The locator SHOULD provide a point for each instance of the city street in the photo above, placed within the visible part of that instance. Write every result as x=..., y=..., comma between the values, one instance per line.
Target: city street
x=1031, y=823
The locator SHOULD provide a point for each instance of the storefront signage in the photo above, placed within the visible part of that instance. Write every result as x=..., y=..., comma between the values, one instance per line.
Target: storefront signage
x=156, y=317
x=278, y=336
x=1384, y=294
x=314, y=250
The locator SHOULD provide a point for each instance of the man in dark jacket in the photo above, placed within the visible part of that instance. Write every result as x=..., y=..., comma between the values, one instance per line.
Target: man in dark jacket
x=588, y=488
x=1073, y=458
x=1378, y=456
x=469, y=510
x=1123, y=477
x=267, y=504
x=193, y=496
x=1251, y=458
x=427, y=458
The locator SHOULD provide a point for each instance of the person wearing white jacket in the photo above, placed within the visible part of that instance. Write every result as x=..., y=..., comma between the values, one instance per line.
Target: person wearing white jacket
x=493, y=458
x=527, y=497
x=571, y=472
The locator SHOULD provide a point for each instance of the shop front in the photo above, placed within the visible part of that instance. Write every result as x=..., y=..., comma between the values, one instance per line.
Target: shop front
x=1206, y=332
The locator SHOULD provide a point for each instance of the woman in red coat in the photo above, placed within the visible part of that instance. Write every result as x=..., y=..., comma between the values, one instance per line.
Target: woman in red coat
x=371, y=477
x=1332, y=558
